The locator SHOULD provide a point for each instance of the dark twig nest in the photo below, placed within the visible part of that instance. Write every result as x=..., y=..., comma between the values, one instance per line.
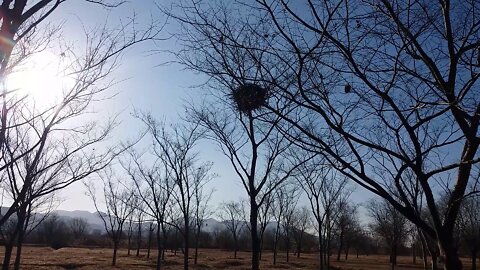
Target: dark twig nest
x=249, y=97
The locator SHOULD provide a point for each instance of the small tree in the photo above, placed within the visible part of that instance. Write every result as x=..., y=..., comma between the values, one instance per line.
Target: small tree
x=118, y=206
x=388, y=223
x=79, y=228
x=231, y=214
x=347, y=228
x=154, y=188
x=469, y=226
x=175, y=147
x=301, y=221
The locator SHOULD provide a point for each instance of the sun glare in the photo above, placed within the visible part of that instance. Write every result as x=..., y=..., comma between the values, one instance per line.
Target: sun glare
x=42, y=79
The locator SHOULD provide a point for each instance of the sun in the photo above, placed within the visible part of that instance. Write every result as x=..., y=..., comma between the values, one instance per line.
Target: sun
x=42, y=79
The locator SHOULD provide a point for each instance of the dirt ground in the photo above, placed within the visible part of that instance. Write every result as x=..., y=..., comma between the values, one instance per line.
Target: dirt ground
x=87, y=259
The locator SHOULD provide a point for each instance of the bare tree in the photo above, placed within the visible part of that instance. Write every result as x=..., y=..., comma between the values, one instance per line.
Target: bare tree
x=202, y=211
x=380, y=88
x=140, y=220
x=114, y=209
x=278, y=205
x=79, y=228
x=20, y=21
x=154, y=187
x=283, y=207
x=325, y=191
x=287, y=221
x=255, y=150
x=231, y=214
x=175, y=147
x=51, y=149
x=23, y=223
x=347, y=226
x=390, y=225
x=301, y=222
x=469, y=226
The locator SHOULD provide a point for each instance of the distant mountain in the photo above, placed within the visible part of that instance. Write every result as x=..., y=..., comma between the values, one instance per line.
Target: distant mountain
x=93, y=219
x=210, y=225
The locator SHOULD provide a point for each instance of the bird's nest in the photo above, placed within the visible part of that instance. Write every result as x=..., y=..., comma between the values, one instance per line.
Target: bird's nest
x=249, y=97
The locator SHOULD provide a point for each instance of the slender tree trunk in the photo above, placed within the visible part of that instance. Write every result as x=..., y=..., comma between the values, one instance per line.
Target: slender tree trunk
x=115, y=248
x=235, y=246
x=340, y=247
x=197, y=238
x=275, y=244
x=474, y=259
x=129, y=244
x=21, y=235
x=320, y=246
x=299, y=245
x=8, y=254
x=129, y=236
x=18, y=255
x=260, y=251
x=414, y=254
x=328, y=247
x=347, y=248
x=424, y=251
x=186, y=242
x=139, y=237
x=288, y=246
x=149, y=245
x=159, y=248
x=394, y=255
x=434, y=262
x=254, y=234
x=164, y=241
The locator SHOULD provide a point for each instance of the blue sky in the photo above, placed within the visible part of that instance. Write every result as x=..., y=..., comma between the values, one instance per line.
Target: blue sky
x=148, y=86
x=145, y=85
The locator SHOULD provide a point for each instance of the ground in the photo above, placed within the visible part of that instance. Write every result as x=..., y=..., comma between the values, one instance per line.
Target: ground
x=87, y=259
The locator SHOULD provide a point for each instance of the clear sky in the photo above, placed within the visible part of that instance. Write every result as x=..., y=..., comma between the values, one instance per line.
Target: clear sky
x=148, y=86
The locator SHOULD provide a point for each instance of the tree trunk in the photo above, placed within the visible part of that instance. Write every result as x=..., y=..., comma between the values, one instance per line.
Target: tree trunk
x=8, y=255
x=159, y=248
x=115, y=247
x=186, y=242
x=347, y=248
x=327, y=246
x=254, y=234
x=139, y=237
x=474, y=259
x=275, y=244
x=434, y=262
x=149, y=245
x=393, y=256
x=288, y=246
x=449, y=253
x=197, y=238
x=414, y=254
x=299, y=245
x=18, y=256
x=164, y=241
x=235, y=246
x=340, y=247
x=129, y=244
x=320, y=246
x=424, y=252
x=21, y=235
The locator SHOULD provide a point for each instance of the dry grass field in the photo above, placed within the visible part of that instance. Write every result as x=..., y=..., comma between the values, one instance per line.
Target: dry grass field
x=86, y=259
